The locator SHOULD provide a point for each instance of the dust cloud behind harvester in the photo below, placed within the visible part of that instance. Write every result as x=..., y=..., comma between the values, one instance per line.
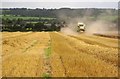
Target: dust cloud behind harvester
x=102, y=21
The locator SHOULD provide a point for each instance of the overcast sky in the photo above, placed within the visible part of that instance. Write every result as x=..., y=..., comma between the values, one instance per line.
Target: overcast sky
x=59, y=0
x=59, y=3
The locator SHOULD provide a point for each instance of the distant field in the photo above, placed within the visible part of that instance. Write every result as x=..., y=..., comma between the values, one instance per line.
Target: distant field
x=107, y=18
x=53, y=54
x=24, y=18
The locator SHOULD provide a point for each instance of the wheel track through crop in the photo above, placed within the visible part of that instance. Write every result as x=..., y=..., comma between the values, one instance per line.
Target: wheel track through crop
x=65, y=73
x=47, y=65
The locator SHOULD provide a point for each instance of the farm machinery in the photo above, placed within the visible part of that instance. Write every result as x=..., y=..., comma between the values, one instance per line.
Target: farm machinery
x=81, y=27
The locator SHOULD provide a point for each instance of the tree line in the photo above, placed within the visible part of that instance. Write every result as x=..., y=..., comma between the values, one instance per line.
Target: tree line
x=21, y=25
x=54, y=13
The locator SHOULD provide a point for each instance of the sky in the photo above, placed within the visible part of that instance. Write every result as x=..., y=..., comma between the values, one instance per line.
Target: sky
x=59, y=4
x=59, y=0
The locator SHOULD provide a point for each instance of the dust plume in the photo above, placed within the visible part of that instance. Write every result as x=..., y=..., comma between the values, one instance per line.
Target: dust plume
x=68, y=31
x=99, y=25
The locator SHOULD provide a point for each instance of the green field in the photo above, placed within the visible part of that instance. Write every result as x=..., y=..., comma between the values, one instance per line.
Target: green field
x=24, y=17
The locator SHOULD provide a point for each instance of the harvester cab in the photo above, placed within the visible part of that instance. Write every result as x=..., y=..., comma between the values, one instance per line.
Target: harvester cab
x=80, y=27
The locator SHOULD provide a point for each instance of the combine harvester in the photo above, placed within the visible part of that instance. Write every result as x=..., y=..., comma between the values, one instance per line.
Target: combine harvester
x=81, y=27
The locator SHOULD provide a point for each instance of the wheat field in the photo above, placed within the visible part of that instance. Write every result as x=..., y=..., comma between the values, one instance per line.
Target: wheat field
x=53, y=54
